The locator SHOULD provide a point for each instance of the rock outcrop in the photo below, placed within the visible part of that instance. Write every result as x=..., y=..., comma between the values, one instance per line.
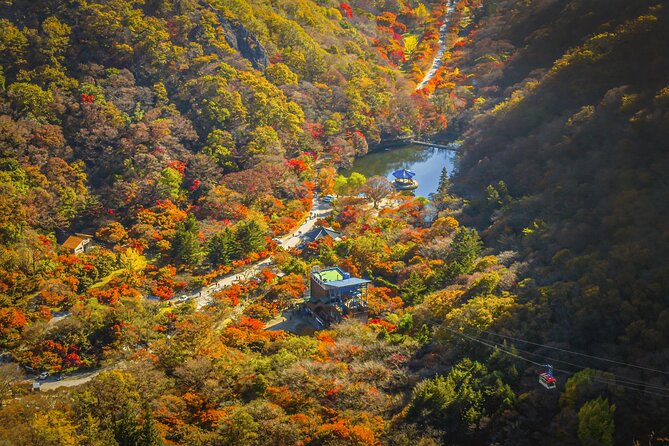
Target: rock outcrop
x=241, y=39
x=248, y=45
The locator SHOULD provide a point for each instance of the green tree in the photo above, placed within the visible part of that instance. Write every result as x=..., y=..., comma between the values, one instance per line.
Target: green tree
x=444, y=182
x=264, y=141
x=239, y=428
x=125, y=428
x=492, y=196
x=442, y=198
x=251, y=236
x=465, y=248
x=350, y=185
x=423, y=335
x=186, y=244
x=220, y=146
x=31, y=101
x=341, y=185
x=413, y=288
x=223, y=248
x=356, y=181
x=280, y=74
x=170, y=180
x=94, y=434
x=454, y=402
x=148, y=434
x=595, y=423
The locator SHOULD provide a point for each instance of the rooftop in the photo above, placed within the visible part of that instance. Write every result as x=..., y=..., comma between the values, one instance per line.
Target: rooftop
x=348, y=282
x=330, y=275
x=336, y=278
x=320, y=232
x=74, y=241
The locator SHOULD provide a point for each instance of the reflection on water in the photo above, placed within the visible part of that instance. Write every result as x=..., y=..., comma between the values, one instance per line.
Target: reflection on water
x=427, y=162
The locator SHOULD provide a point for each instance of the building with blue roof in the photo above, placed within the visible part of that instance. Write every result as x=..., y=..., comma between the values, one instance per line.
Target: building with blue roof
x=334, y=294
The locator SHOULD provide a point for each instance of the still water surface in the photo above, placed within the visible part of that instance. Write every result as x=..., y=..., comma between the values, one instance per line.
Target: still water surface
x=426, y=162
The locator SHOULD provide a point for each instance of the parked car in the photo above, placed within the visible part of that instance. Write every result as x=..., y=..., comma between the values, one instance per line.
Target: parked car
x=43, y=375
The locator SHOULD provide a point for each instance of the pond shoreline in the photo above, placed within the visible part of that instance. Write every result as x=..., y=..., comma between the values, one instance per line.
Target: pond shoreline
x=426, y=161
x=405, y=141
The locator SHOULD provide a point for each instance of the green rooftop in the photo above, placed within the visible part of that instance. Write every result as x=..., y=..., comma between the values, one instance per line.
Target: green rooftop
x=330, y=275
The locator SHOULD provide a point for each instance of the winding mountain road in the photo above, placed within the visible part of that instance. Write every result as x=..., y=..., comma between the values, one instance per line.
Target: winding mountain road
x=205, y=296
x=437, y=62
x=318, y=210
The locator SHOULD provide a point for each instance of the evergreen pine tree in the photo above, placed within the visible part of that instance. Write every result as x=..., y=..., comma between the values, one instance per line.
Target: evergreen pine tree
x=423, y=335
x=251, y=237
x=223, y=247
x=442, y=199
x=125, y=428
x=444, y=182
x=413, y=288
x=465, y=248
x=185, y=245
x=595, y=423
x=149, y=435
x=94, y=434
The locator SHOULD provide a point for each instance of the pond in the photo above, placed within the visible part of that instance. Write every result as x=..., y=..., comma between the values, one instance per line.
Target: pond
x=426, y=162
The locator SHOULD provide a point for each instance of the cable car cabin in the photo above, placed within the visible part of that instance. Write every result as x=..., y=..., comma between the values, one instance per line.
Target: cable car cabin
x=547, y=381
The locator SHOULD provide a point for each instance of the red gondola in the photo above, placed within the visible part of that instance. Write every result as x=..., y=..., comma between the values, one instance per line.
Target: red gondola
x=546, y=379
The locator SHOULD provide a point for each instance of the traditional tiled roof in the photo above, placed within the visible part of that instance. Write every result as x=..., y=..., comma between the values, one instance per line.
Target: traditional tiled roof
x=320, y=232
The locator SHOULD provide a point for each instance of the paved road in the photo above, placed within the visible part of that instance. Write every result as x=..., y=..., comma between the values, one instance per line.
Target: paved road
x=443, y=31
x=76, y=379
x=318, y=210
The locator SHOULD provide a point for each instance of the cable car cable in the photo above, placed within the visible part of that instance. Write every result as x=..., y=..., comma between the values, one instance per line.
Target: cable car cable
x=571, y=372
x=618, y=380
x=621, y=379
x=577, y=353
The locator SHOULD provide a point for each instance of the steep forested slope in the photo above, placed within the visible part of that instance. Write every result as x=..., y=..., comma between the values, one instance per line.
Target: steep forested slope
x=566, y=164
x=127, y=87
x=186, y=134
x=127, y=115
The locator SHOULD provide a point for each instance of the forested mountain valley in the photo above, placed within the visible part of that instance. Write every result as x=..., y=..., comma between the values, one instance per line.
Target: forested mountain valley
x=183, y=263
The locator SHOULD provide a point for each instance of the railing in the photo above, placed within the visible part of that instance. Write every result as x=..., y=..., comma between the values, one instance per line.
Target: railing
x=450, y=146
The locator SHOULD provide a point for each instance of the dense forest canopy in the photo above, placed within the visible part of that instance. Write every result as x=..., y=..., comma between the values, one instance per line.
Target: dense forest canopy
x=153, y=150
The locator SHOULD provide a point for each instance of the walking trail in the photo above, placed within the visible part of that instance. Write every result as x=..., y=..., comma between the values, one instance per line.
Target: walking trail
x=437, y=62
x=318, y=210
